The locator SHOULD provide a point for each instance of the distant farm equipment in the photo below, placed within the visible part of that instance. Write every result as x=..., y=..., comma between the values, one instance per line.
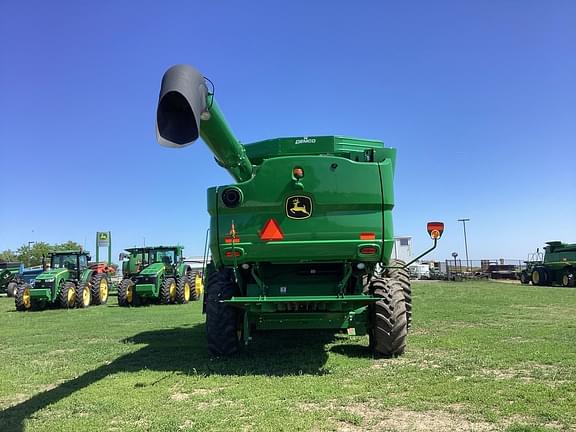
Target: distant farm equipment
x=558, y=266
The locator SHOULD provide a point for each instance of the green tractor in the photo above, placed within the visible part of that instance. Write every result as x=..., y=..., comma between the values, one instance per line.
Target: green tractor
x=157, y=275
x=304, y=239
x=69, y=282
x=10, y=277
x=557, y=268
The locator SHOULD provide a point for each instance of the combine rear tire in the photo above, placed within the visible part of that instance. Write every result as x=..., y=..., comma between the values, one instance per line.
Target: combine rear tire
x=568, y=279
x=67, y=295
x=82, y=295
x=168, y=291
x=184, y=290
x=100, y=286
x=402, y=276
x=221, y=319
x=389, y=320
x=11, y=289
x=22, y=298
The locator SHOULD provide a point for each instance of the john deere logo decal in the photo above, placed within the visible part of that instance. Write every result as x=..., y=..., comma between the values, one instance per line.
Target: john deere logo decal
x=298, y=207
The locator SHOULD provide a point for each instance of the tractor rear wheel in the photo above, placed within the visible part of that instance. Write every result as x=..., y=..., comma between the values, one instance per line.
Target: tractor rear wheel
x=82, y=295
x=127, y=295
x=11, y=289
x=539, y=276
x=524, y=278
x=221, y=319
x=100, y=286
x=168, y=290
x=389, y=318
x=67, y=295
x=22, y=298
x=401, y=275
x=568, y=278
x=183, y=290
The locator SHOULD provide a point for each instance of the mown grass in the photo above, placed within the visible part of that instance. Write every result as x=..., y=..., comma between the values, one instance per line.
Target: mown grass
x=481, y=357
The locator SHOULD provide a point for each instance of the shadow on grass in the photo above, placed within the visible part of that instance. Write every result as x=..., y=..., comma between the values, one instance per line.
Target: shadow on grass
x=184, y=351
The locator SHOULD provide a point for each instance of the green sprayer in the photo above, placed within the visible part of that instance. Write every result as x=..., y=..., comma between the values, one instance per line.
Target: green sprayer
x=303, y=239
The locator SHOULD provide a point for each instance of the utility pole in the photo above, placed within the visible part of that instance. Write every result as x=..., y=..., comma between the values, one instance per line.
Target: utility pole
x=465, y=242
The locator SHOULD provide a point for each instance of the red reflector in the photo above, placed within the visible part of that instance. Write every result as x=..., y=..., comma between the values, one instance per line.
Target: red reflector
x=367, y=236
x=229, y=239
x=368, y=250
x=435, y=229
x=229, y=254
x=271, y=231
x=298, y=173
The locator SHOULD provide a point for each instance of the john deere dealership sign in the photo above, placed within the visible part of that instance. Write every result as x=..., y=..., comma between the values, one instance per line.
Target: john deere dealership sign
x=103, y=239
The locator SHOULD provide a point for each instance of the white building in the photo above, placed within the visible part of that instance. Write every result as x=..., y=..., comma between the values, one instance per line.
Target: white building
x=402, y=249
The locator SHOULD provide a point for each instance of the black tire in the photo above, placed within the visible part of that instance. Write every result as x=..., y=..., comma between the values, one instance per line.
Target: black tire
x=184, y=290
x=67, y=295
x=568, y=278
x=22, y=298
x=539, y=277
x=389, y=320
x=99, y=288
x=402, y=276
x=222, y=320
x=83, y=296
x=127, y=295
x=524, y=278
x=168, y=290
x=11, y=289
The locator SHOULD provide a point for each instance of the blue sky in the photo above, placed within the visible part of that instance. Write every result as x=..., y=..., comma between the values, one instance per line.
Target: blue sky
x=479, y=99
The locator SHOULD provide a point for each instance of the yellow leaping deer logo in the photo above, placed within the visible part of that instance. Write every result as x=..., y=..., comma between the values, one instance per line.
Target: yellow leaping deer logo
x=298, y=207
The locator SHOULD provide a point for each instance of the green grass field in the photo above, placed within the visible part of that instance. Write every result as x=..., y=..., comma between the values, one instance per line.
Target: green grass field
x=482, y=356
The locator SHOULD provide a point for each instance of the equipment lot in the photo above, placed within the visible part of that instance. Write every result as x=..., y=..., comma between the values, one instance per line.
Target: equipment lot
x=482, y=356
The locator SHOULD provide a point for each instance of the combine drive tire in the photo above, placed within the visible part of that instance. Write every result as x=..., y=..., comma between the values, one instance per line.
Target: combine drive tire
x=539, y=277
x=402, y=276
x=168, y=291
x=67, y=295
x=22, y=298
x=183, y=290
x=127, y=295
x=569, y=278
x=389, y=320
x=82, y=295
x=524, y=278
x=221, y=319
x=100, y=287
x=11, y=289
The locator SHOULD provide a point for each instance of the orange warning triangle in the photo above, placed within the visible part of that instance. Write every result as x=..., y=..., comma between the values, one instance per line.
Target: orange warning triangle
x=271, y=231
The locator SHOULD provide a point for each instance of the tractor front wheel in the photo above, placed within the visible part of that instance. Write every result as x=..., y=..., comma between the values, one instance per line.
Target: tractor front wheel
x=22, y=298
x=539, y=276
x=127, y=295
x=568, y=279
x=11, y=289
x=221, y=319
x=82, y=295
x=183, y=290
x=100, y=286
x=168, y=291
x=524, y=278
x=67, y=295
x=389, y=318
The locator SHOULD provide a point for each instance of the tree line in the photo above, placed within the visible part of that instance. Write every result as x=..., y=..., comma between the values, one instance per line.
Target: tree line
x=31, y=254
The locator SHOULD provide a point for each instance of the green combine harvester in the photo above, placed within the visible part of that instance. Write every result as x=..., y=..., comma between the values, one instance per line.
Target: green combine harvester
x=69, y=282
x=157, y=274
x=558, y=267
x=304, y=237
